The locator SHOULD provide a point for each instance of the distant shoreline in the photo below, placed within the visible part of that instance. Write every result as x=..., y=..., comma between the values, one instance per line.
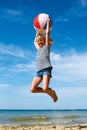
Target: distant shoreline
x=44, y=109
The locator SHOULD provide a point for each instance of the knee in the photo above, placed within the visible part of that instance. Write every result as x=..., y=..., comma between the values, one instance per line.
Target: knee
x=32, y=90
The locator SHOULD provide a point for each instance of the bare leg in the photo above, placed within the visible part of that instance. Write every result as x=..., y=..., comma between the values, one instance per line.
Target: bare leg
x=46, y=89
x=34, y=86
x=35, y=89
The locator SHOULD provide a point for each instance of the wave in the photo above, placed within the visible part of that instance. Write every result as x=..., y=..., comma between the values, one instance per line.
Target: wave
x=37, y=118
x=71, y=116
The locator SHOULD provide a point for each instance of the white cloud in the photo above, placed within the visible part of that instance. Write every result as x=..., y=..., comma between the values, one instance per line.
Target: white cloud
x=83, y=3
x=71, y=67
x=15, y=15
x=13, y=12
x=4, y=85
x=24, y=67
x=61, y=19
x=12, y=15
x=12, y=50
x=14, y=59
x=76, y=10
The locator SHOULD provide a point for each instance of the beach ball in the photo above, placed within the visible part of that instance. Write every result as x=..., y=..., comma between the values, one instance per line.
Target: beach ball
x=40, y=22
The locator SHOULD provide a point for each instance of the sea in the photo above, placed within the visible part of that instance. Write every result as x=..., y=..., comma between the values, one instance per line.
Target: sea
x=43, y=117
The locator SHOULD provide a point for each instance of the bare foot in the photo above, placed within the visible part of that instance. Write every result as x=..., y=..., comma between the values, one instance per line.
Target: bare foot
x=54, y=96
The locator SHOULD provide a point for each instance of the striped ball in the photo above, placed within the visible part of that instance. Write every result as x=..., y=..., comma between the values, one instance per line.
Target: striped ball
x=40, y=21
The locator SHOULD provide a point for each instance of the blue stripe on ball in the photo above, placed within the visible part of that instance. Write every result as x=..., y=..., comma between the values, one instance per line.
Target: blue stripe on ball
x=51, y=24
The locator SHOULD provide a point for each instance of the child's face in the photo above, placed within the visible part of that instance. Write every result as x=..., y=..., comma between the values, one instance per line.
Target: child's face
x=40, y=41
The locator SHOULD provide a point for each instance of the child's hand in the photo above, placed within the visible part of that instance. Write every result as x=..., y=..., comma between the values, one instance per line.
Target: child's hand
x=42, y=31
x=48, y=20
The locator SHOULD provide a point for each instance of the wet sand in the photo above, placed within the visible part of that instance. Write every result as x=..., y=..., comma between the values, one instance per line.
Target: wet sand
x=19, y=127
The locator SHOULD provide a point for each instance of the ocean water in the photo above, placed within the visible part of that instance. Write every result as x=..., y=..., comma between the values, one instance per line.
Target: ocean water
x=43, y=117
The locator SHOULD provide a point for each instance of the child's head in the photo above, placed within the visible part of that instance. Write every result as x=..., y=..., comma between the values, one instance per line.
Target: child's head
x=40, y=39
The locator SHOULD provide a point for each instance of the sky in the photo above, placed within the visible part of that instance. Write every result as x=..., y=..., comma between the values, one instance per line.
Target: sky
x=18, y=54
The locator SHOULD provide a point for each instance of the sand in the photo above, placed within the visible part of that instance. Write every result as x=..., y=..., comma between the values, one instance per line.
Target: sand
x=18, y=127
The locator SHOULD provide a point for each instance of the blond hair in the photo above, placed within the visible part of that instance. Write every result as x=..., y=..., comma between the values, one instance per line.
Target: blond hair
x=38, y=35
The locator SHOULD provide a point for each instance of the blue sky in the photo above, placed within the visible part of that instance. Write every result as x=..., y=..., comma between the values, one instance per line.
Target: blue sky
x=18, y=54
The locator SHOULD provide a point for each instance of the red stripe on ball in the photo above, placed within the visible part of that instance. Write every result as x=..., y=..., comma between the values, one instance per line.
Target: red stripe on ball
x=36, y=23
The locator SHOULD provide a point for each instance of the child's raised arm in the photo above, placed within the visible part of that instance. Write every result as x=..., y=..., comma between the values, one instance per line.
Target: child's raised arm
x=48, y=32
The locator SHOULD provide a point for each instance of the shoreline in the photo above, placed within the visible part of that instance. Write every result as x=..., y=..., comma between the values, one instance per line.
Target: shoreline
x=38, y=127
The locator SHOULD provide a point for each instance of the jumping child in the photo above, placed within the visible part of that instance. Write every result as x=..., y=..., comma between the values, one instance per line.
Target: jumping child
x=44, y=67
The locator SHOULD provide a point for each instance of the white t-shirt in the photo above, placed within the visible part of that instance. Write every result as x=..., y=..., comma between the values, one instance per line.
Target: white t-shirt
x=43, y=58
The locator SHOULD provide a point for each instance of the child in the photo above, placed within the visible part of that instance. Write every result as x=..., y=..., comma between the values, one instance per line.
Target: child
x=44, y=67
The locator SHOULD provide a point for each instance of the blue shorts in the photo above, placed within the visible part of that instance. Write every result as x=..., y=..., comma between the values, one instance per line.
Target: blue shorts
x=43, y=72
